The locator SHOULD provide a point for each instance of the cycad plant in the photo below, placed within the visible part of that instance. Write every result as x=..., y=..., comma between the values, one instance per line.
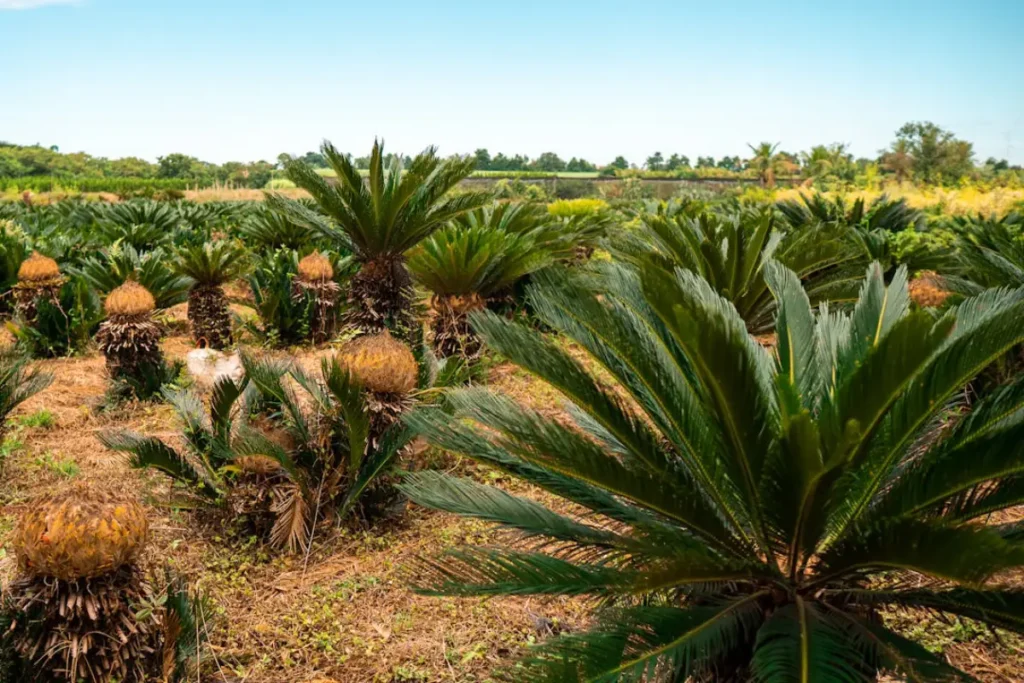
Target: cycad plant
x=988, y=252
x=266, y=230
x=209, y=267
x=318, y=460
x=745, y=515
x=112, y=267
x=464, y=268
x=294, y=309
x=18, y=383
x=730, y=250
x=378, y=220
x=883, y=213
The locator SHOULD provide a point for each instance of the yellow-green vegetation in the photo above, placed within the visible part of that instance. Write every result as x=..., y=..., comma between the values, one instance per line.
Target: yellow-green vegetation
x=565, y=208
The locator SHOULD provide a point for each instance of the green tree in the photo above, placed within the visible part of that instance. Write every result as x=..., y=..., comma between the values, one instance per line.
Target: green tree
x=767, y=161
x=705, y=162
x=935, y=154
x=548, y=161
x=745, y=516
x=580, y=166
x=677, y=161
x=620, y=163
x=730, y=163
x=483, y=159
x=132, y=167
x=179, y=166
x=655, y=162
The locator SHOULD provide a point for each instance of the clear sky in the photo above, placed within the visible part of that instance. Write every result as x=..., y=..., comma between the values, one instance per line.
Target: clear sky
x=232, y=80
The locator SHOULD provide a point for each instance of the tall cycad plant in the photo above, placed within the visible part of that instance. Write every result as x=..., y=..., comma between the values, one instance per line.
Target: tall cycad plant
x=466, y=267
x=378, y=220
x=746, y=515
x=730, y=249
x=209, y=267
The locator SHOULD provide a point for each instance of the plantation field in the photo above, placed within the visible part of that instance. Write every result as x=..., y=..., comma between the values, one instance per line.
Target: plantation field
x=415, y=429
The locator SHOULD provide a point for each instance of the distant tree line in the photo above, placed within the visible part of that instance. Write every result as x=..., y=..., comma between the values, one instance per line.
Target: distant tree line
x=921, y=151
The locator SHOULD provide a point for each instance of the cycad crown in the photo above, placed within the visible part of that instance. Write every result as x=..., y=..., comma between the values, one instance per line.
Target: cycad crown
x=741, y=507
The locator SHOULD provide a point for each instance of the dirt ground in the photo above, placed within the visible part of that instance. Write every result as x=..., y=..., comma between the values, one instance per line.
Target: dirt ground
x=344, y=612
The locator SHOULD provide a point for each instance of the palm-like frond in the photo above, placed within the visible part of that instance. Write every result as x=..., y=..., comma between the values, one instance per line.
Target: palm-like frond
x=739, y=503
x=210, y=264
x=458, y=261
x=730, y=250
x=111, y=268
x=891, y=215
x=988, y=252
x=267, y=230
x=392, y=210
x=18, y=383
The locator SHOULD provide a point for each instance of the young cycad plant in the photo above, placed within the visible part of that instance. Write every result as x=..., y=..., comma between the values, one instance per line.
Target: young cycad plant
x=210, y=266
x=13, y=250
x=730, y=250
x=883, y=213
x=18, y=383
x=745, y=516
x=319, y=460
x=293, y=308
x=378, y=220
x=39, y=280
x=63, y=321
x=464, y=268
x=267, y=230
x=988, y=252
x=112, y=267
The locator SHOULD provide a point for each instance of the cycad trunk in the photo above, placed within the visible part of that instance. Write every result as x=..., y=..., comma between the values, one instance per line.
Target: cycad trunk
x=131, y=345
x=85, y=629
x=209, y=316
x=453, y=335
x=380, y=297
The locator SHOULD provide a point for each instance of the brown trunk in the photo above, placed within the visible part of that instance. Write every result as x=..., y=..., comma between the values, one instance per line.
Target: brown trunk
x=380, y=297
x=209, y=317
x=453, y=335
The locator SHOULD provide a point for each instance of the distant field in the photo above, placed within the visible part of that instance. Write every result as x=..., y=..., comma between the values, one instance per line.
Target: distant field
x=329, y=173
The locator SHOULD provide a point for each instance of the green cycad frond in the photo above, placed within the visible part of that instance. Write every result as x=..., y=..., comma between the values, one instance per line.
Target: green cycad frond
x=393, y=210
x=988, y=252
x=18, y=383
x=159, y=216
x=457, y=261
x=269, y=230
x=730, y=251
x=786, y=482
x=801, y=643
x=891, y=215
x=111, y=268
x=211, y=264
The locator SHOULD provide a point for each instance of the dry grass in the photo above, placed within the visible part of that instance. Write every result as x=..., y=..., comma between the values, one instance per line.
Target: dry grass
x=227, y=194
x=955, y=202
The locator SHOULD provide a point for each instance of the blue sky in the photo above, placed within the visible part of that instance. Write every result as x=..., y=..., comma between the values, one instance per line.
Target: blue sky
x=231, y=80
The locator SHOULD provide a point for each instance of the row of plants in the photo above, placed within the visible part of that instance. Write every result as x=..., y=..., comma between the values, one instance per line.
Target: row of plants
x=770, y=442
